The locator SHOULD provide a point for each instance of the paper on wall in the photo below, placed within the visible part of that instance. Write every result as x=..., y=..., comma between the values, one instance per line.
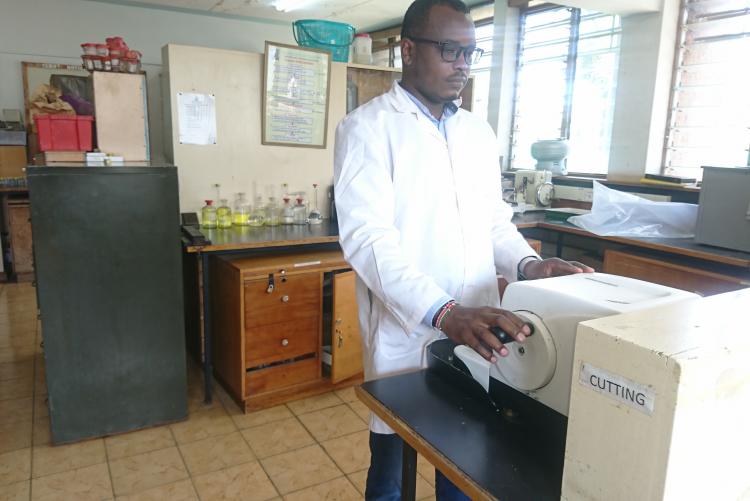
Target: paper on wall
x=196, y=115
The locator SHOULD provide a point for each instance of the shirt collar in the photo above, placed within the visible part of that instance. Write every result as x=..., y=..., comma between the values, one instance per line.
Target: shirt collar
x=449, y=108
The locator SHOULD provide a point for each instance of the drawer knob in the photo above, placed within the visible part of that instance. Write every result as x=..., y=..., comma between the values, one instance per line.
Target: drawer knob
x=284, y=342
x=285, y=298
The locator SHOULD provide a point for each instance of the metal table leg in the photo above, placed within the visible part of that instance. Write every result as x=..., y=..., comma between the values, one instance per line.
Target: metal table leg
x=208, y=367
x=409, y=473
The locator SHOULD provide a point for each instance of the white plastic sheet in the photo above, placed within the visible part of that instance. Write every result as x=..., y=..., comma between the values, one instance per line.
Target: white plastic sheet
x=615, y=213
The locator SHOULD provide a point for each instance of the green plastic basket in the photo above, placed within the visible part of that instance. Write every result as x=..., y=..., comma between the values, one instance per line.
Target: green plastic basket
x=327, y=35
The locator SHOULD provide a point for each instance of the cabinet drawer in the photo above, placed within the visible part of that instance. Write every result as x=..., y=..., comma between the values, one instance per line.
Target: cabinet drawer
x=272, y=343
x=280, y=376
x=297, y=298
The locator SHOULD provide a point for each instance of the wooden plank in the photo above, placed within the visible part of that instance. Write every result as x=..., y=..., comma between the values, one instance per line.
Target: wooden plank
x=447, y=467
x=670, y=274
x=291, y=262
x=12, y=161
x=280, y=376
x=346, y=344
x=121, y=115
x=21, y=248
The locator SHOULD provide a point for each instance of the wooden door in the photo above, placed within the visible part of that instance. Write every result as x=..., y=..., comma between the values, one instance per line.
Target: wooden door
x=346, y=342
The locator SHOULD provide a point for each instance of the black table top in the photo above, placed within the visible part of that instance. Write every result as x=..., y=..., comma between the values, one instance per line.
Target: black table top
x=512, y=460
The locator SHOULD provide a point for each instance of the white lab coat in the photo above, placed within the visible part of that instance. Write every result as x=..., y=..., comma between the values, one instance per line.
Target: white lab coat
x=418, y=218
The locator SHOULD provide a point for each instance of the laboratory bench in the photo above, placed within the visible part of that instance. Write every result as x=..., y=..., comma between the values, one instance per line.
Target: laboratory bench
x=679, y=263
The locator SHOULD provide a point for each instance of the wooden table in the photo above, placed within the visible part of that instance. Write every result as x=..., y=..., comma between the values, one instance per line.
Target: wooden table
x=244, y=241
x=468, y=439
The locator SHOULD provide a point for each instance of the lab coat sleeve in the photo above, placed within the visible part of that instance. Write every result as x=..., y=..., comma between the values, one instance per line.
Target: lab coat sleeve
x=371, y=243
x=509, y=246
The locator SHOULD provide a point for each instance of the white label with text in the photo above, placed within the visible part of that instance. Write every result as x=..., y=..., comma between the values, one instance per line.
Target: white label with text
x=618, y=388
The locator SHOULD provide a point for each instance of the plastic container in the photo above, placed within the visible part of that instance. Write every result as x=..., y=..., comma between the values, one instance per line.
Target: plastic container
x=362, y=49
x=88, y=62
x=89, y=49
x=98, y=62
x=327, y=35
x=64, y=132
x=102, y=49
x=208, y=215
x=106, y=63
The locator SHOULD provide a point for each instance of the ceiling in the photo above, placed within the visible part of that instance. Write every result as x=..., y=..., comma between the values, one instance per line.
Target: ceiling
x=365, y=15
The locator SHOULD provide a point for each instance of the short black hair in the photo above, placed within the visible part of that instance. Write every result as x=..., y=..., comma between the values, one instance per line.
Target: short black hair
x=418, y=12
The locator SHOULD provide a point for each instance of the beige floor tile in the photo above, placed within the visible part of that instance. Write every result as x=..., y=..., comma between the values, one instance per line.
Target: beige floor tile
x=351, y=453
x=83, y=484
x=264, y=416
x=16, y=370
x=359, y=479
x=246, y=481
x=277, y=437
x=314, y=403
x=19, y=491
x=49, y=459
x=347, y=394
x=426, y=469
x=202, y=425
x=339, y=489
x=41, y=432
x=332, y=422
x=15, y=435
x=138, y=442
x=16, y=388
x=299, y=469
x=15, y=466
x=177, y=491
x=17, y=409
x=135, y=474
x=216, y=453
x=361, y=409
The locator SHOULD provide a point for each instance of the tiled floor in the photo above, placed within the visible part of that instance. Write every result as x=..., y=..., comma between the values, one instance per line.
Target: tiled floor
x=310, y=449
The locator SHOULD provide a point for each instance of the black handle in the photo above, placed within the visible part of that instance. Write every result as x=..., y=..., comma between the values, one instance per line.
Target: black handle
x=506, y=338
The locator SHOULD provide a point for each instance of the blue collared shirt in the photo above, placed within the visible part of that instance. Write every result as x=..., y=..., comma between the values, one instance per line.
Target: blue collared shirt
x=449, y=109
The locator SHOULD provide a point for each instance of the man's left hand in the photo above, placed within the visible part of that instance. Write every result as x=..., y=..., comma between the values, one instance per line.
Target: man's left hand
x=554, y=267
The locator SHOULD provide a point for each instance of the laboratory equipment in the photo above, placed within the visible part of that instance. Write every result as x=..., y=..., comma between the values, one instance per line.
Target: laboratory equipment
x=272, y=212
x=550, y=155
x=287, y=212
x=724, y=208
x=300, y=211
x=241, y=214
x=315, y=217
x=258, y=213
x=534, y=189
x=208, y=215
x=224, y=215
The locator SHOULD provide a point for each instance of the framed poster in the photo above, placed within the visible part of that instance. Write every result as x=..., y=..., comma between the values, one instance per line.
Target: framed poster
x=55, y=88
x=296, y=87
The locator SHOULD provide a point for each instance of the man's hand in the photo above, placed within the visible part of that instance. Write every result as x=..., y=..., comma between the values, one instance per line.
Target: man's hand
x=553, y=267
x=470, y=326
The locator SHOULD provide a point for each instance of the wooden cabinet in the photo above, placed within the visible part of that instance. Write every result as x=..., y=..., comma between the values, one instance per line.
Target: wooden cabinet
x=277, y=319
x=675, y=275
x=18, y=231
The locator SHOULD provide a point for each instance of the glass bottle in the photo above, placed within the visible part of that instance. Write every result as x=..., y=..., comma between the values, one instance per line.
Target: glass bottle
x=287, y=212
x=208, y=215
x=272, y=212
x=224, y=215
x=257, y=215
x=315, y=216
x=241, y=214
x=300, y=211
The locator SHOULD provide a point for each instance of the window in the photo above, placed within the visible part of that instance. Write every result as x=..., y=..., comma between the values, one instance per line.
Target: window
x=709, y=120
x=565, y=85
x=481, y=71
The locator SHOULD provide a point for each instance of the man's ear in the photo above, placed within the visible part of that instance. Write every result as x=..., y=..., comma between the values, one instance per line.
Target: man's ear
x=407, y=52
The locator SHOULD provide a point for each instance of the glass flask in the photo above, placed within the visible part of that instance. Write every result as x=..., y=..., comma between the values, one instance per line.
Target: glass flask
x=241, y=214
x=208, y=215
x=287, y=212
x=258, y=214
x=315, y=217
x=300, y=211
x=224, y=215
x=272, y=212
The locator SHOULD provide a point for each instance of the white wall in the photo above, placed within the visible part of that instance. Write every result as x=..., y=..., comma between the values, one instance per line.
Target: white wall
x=52, y=31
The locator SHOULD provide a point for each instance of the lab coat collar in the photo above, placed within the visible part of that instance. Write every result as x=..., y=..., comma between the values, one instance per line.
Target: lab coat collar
x=404, y=104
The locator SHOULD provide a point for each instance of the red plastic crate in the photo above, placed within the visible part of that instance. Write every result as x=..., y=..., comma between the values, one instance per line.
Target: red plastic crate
x=64, y=132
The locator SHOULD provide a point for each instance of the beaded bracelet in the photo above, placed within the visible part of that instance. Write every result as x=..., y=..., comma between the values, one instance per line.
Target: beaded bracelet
x=447, y=307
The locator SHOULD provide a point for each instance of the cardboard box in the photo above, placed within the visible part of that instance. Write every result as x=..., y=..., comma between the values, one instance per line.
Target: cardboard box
x=12, y=161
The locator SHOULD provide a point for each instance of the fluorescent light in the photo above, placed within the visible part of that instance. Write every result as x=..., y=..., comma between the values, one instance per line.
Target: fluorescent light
x=290, y=5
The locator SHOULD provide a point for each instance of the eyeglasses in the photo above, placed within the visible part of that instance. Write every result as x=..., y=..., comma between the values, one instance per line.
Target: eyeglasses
x=450, y=51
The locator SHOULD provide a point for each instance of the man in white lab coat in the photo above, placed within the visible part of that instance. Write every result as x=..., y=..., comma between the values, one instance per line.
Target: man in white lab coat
x=422, y=221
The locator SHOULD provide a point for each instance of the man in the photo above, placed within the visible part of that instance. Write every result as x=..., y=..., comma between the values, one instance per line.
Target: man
x=422, y=221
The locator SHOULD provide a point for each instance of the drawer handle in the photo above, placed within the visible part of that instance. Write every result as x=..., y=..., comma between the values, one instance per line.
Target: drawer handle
x=284, y=342
x=284, y=298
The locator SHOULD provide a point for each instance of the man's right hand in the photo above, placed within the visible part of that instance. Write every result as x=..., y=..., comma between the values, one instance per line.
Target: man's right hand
x=471, y=326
